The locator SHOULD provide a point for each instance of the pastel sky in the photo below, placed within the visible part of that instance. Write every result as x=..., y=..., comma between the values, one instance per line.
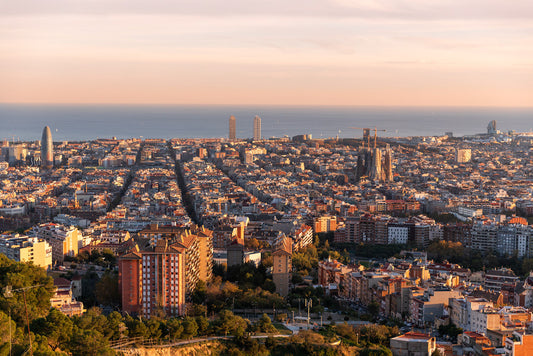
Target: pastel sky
x=286, y=52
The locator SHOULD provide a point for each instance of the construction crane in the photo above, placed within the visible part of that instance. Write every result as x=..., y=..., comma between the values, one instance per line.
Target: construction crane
x=366, y=132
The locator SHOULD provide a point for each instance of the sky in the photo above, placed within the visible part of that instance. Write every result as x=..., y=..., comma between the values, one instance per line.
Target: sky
x=278, y=52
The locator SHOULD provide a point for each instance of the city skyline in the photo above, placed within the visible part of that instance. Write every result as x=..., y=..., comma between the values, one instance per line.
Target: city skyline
x=370, y=52
x=204, y=231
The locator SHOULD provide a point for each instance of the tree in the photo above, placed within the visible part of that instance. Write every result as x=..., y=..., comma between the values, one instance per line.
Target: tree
x=379, y=351
x=229, y=323
x=264, y=324
x=198, y=309
x=373, y=309
x=154, y=328
x=56, y=327
x=308, y=337
x=136, y=328
x=267, y=260
x=107, y=292
x=203, y=324
x=39, y=346
x=451, y=330
x=190, y=328
x=20, y=275
x=89, y=342
x=377, y=334
x=346, y=331
x=174, y=328
x=88, y=288
x=5, y=325
x=527, y=266
x=91, y=320
x=252, y=243
x=115, y=328
x=229, y=289
x=200, y=293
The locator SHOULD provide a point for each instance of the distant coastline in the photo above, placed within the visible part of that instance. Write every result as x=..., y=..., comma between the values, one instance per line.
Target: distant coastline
x=90, y=121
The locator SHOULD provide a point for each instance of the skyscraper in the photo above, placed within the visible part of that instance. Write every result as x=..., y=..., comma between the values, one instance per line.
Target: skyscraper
x=257, y=128
x=47, y=153
x=232, y=135
x=491, y=128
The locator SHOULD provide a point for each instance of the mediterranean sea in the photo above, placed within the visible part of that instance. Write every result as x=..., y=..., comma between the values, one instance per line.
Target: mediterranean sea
x=86, y=122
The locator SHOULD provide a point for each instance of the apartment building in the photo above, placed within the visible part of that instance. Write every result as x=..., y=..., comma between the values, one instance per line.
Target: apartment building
x=27, y=249
x=63, y=239
x=495, y=279
x=461, y=310
x=199, y=248
x=158, y=279
x=483, y=236
x=431, y=305
x=63, y=299
x=282, y=266
x=325, y=224
x=519, y=344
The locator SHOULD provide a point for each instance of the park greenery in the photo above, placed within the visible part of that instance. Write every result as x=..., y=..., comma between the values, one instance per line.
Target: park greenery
x=475, y=260
x=211, y=306
x=93, y=333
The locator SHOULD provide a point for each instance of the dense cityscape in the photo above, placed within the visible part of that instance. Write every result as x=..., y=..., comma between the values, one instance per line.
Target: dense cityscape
x=372, y=245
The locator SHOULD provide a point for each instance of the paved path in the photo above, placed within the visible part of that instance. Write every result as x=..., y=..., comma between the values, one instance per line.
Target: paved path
x=147, y=343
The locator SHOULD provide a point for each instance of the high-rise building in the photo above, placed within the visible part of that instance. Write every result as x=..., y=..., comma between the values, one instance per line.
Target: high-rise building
x=153, y=281
x=158, y=278
x=282, y=266
x=232, y=133
x=198, y=242
x=47, y=146
x=491, y=128
x=257, y=128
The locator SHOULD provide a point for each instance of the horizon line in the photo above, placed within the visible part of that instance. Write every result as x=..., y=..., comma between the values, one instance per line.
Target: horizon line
x=268, y=105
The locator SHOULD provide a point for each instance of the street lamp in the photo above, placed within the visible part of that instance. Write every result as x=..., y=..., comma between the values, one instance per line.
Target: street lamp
x=308, y=304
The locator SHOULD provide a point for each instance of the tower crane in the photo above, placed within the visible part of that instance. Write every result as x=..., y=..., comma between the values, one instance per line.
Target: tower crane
x=366, y=131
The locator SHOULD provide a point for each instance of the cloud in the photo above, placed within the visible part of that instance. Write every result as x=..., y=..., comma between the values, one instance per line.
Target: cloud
x=403, y=9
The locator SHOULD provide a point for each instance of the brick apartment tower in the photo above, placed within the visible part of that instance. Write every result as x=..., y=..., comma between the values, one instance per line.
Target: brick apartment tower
x=282, y=267
x=158, y=279
x=153, y=282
